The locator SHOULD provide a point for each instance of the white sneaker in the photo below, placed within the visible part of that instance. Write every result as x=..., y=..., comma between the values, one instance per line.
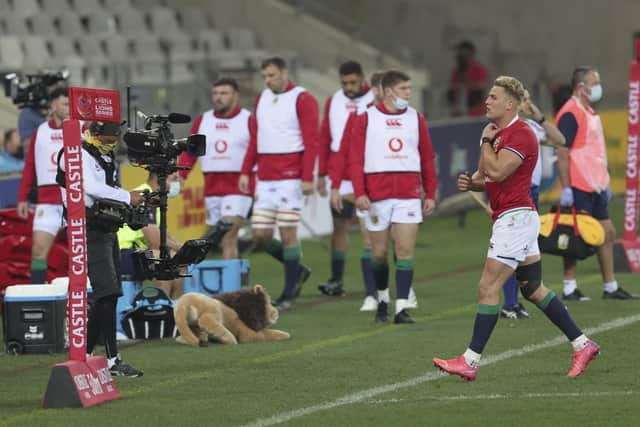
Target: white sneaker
x=369, y=304
x=412, y=300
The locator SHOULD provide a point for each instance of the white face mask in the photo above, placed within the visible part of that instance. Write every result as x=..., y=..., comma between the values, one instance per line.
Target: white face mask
x=174, y=189
x=596, y=93
x=400, y=103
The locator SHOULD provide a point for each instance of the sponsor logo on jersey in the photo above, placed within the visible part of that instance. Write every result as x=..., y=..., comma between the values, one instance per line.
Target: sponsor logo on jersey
x=222, y=126
x=395, y=144
x=393, y=123
x=220, y=146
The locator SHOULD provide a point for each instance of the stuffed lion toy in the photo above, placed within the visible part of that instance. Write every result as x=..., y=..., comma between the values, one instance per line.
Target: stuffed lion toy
x=229, y=318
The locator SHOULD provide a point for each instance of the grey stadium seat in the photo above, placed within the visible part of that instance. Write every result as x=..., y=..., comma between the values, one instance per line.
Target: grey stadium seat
x=117, y=6
x=87, y=7
x=163, y=21
x=16, y=26
x=11, y=54
x=132, y=23
x=36, y=53
x=55, y=7
x=193, y=20
x=69, y=24
x=101, y=23
x=241, y=38
x=23, y=8
x=42, y=25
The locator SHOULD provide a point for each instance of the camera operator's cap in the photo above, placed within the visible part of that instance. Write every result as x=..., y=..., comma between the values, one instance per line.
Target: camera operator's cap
x=106, y=128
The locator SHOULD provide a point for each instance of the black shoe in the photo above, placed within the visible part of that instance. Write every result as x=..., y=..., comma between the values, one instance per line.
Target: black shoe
x=121, y=369
x=382, y=314
x=403, y=317
x=619, y=294
x=576, y=295
x=282, y=304
x=332, y=288
x=508, y=313
x=521, y=312
x=303, y=275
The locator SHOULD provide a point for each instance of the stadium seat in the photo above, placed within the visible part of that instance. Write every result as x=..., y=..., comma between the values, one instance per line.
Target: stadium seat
x=55, y=7
x=11, y=54
x=116, y=48
x=241, y=38
x=229, y=60
x=149, y=66
x=163, y=21
x=101, y=23
x=87, y=7
x=147, y=5
x=183, y=48
x=180, y=72
x=132, y=23
x=117, y=6
x=23, y=8
x=193, y=20
x=65, y=55
x=16, y=26
x=42, y=25
x=210, y=41
x=69, y=24
x=36, y=53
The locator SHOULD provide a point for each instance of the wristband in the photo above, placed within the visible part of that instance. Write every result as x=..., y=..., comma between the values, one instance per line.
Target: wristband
x=486, y=140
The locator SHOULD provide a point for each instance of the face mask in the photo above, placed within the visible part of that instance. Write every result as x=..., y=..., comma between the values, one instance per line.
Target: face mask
x=596, y=93
x=400, y=103
x=174, y=189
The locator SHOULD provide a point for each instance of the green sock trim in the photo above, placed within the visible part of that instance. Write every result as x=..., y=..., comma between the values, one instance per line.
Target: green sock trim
x=366, y=253
x=542, y=305
x=488, y=309
x=274, y=247
x=404, y=264
x=38, y=264
x=338, y=255
x=292, y=253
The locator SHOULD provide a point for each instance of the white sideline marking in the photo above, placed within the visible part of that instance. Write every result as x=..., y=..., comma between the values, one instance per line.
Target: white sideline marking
x=368, y=394
x=581, y=395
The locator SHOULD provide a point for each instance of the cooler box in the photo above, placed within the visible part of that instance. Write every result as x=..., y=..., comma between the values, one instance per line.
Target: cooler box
x=34, y=319
x=212, y=277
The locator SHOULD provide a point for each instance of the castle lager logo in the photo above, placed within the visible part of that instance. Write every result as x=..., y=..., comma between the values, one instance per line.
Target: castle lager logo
x=85, y=105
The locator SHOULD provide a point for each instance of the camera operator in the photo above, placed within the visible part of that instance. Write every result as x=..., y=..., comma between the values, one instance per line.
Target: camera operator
x=148, y=237
x=100, y=182
x=40, y=169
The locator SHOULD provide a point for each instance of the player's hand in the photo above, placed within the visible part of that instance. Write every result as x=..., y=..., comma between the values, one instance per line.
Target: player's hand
x=531, y=111
x=137, y=197
x=464, y=181
x=321, y=186
x=490, y=131
x=243, y=184
x=307, y=188
x=566, y=197
x=428, y=207
x=23, y=210
x=363, y=203
x=336, y=200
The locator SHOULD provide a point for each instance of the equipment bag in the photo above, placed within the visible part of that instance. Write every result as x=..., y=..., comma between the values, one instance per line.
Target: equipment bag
x=569, y=234
x=151, y=316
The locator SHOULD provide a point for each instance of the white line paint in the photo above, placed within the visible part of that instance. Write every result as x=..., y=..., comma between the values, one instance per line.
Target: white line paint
x=370, y=393
x=580, y=395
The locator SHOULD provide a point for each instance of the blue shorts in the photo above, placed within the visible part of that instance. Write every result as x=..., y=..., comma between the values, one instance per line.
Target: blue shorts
x=596, y=204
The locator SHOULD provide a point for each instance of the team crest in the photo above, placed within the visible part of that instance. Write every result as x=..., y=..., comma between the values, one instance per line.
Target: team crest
x=275, y=100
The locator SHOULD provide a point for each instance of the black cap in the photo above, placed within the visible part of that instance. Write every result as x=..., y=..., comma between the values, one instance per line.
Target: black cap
x=105, y=128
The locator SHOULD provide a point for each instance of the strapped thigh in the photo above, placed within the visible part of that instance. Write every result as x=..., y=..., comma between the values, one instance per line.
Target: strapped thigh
x=530, y=278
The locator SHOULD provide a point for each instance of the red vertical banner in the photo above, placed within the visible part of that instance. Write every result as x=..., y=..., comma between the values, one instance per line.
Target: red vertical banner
x=633, y=151
x=77, y=237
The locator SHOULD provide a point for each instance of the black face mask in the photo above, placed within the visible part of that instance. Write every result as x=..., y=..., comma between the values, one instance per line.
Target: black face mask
x=19, y=154
x=462, y=61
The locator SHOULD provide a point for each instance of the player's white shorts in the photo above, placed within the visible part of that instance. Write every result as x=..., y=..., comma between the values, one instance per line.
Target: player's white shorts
x=277, y=203
x=362, y=214
x=231, y=205
x=383, y=213
x=48, y=218
x=515, y=236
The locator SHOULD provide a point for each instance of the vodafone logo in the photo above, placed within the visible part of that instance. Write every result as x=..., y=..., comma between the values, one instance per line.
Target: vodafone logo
x=394, y=123
x=220, y=146
x=395, y=144
x=54, y=159
x=222, y=126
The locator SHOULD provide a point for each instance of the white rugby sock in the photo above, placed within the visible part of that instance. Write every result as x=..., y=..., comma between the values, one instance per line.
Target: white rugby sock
x=580, y=342
x=569, y=286
x=111, y=362
x=472, y=358
x=383, y=296
x=401, y=304
x=610, y=286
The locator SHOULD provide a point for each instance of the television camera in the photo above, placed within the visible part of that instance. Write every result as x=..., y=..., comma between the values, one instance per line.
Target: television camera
x=33, y=89
x=155, y=148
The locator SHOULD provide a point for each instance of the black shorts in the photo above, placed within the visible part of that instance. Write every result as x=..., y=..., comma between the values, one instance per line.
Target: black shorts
x=596, y=204
x=103, y=264
x=348, y=210
x=129, y=269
